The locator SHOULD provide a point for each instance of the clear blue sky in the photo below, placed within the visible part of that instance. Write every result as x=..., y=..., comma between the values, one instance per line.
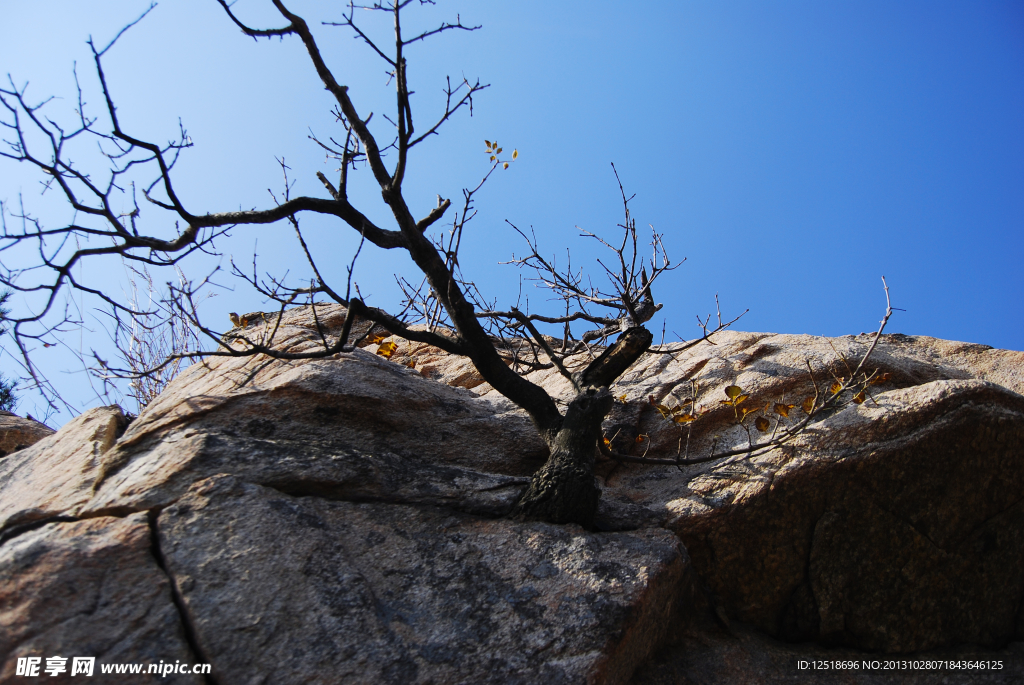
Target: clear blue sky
x=793, y=152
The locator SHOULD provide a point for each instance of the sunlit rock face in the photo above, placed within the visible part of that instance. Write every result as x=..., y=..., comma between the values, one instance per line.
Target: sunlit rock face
x=343, y=519
x=17, y=433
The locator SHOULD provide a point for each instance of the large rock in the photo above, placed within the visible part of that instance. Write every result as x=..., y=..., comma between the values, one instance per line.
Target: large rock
x=357, y=400
x=354, y=426
x=56, y=475
x=345, y=506
x=318, y=438
x=89, y=589
x=374, y=593
x=894, y=525
x=17, y=433
x=870, y=533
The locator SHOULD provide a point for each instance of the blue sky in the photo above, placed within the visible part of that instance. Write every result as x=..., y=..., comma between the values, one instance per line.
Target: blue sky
x=793, y=152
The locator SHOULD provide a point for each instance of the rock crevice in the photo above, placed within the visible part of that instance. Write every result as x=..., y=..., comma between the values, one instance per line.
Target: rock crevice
x=188, y=631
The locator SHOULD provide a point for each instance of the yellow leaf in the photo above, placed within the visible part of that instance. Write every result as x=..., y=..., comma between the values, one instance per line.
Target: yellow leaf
x=506, y=165
x=376, y=338
x=808, y=405
x=881, y=379
x=607, y=441
x=492, y=158
x=836, y=388
x=783, y=409
x=515, y=153
x=761, y=424
x=859, y=398
x=622, y=398
x=685, y=418
x=411, y=364
x=663, y=410
x=733, y=391
x=488, y=143
x=498, y=151
x=387, y=349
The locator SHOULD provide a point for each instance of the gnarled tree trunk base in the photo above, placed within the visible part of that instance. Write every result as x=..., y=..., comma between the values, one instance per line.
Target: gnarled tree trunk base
x=564, y=489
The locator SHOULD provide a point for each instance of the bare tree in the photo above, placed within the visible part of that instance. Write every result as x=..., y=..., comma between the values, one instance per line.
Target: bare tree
x=155, y=345
x=501, y=343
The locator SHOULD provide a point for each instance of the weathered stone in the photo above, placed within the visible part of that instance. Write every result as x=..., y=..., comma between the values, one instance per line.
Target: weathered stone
x=896, y=526
x=354, y=427
x=916, y=491
x=17, y=433
x=773, y=367
x=356, y=401
x=372, y=593
x=89, y=588
x=56, y=475
x=159, y=475
x=437, y=365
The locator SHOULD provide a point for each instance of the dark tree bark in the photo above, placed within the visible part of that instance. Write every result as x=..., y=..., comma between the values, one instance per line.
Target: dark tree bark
x=564, y=489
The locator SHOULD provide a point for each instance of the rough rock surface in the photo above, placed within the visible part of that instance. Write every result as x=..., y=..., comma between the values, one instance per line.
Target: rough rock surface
x=90, y=588
x=895, y=525
x=365, y=491
x=56, y=475
x=356, y=400
x=17, y=433
x=376, y=593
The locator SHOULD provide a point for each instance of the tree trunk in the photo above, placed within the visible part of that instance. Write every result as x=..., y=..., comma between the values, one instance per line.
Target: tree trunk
x=564, y=489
